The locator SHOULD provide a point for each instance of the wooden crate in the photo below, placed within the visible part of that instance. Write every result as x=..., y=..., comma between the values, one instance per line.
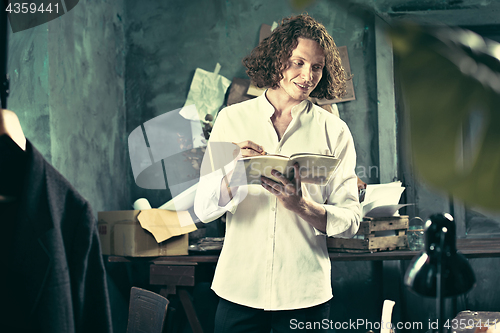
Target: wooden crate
x=374, y=234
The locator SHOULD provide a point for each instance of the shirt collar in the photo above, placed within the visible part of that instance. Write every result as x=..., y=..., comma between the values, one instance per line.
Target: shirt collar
x=268, y=109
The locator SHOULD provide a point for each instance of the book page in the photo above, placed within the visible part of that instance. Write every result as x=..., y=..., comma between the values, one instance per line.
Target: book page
x=296, y=155
x=258, y=166
x=314, y=168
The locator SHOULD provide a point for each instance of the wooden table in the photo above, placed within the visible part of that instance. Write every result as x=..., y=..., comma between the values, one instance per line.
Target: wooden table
x=469, y=247
x=177, y=272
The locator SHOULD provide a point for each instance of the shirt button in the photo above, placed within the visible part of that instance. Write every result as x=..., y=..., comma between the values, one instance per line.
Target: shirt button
x=273, y=209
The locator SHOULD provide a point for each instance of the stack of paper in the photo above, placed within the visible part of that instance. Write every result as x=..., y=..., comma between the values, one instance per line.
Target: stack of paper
x=381, y=200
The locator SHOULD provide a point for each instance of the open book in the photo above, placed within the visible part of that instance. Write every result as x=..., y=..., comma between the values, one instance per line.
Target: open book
x=381, y=200
x=313, y=168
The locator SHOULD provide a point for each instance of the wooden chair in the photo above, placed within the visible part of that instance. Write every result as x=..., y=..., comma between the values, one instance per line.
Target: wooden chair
x=147, y=311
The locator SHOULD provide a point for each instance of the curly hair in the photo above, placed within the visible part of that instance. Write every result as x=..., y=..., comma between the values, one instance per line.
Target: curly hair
x=269, y=59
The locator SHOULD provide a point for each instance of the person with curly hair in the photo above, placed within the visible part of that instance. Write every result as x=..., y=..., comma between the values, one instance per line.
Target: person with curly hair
x=274, y=270
x=267, y=61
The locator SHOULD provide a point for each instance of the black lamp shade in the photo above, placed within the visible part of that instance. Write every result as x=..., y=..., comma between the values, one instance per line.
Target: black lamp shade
x=457, y=275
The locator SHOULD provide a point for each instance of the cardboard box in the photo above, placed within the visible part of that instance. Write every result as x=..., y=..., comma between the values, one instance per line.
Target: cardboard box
x=147, y=233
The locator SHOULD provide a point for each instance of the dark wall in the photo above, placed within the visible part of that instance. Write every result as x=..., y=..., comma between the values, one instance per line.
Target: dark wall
x=81, y=83
x=167, y=41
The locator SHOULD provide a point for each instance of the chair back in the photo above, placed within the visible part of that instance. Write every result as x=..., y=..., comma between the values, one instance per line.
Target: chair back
x=147, y=311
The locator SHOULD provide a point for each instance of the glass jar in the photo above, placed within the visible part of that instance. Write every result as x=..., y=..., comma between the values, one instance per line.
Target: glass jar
x=416, y=234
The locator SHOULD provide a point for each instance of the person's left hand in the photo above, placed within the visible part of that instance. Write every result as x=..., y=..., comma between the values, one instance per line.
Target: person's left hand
x=288, y=192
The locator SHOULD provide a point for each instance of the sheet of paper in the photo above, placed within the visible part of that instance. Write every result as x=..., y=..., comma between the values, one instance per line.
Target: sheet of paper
x=207, y=93
x=190, y=112
x=164, y=224
x=387, y=194
x=382, y=211
x=382, y=199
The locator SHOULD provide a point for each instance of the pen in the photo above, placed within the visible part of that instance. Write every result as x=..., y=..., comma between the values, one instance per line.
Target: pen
x=262, y=153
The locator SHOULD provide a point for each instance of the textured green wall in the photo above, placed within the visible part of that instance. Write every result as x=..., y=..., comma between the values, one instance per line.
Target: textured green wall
x=81, y=83
x=168, y=40
x=67, y=88
x=28, y=68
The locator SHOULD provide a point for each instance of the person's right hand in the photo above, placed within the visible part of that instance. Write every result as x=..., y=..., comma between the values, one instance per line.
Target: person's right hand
x=250, y=148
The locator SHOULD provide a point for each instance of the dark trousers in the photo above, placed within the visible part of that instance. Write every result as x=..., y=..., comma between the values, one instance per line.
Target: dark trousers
x=235, y=318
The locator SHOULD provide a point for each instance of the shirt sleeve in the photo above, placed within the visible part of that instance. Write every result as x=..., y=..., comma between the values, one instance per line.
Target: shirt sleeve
x=343, y=211
x=206, y=203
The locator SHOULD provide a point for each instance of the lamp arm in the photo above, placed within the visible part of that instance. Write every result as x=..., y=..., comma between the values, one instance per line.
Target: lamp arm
x=439, y=281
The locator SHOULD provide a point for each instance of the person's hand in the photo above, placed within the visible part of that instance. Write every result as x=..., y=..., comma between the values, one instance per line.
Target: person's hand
x=288, y=192
x=250, y=148
x=10, y=125
x=361, y=190
x=246, y=148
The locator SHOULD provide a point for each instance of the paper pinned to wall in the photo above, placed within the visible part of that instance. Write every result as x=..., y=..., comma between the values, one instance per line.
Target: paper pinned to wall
x=207, y=93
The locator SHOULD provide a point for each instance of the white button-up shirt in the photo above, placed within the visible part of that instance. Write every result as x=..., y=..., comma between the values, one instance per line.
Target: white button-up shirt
x=272, y=259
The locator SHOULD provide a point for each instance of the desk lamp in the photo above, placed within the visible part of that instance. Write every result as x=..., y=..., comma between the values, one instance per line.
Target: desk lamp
x=439, y=270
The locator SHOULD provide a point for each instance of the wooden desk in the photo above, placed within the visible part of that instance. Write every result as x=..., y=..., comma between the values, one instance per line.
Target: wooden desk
x=470, y=248
x=177, y=272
